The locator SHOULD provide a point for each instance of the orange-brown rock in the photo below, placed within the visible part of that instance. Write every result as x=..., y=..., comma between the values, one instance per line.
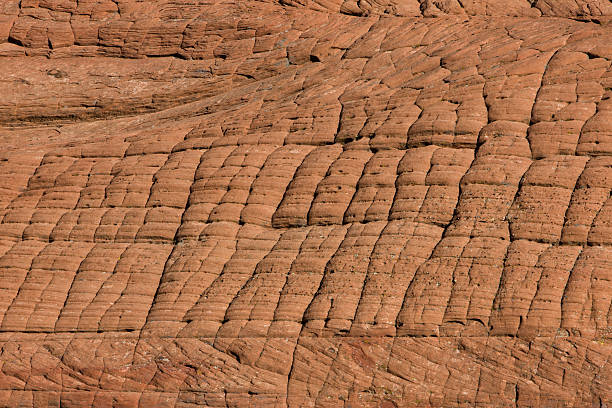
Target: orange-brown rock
x=299, y=203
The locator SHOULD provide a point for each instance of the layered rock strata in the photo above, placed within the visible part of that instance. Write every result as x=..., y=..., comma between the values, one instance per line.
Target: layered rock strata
x=305, y=203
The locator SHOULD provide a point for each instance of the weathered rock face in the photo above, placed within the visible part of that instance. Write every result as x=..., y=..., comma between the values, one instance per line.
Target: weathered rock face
x=306, y=203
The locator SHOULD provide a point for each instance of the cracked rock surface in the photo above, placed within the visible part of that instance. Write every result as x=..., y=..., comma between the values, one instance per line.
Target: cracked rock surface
x=299, y=203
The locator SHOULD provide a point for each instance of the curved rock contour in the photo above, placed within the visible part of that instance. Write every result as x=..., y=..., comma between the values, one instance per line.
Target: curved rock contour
x=306, y=203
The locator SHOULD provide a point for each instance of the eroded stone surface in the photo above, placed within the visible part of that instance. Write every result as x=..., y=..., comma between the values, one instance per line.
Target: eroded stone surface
x=305, y=203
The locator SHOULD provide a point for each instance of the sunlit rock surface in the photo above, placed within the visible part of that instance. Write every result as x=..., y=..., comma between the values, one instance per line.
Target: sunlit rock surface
x=299, y=203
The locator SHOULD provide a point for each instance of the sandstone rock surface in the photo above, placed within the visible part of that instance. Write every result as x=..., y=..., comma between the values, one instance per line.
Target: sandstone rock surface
x=336, y=203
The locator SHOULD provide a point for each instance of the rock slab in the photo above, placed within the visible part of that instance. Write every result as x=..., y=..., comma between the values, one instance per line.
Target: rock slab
x=304, y=203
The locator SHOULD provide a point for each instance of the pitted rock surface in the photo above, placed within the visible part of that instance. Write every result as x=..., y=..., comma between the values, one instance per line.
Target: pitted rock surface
x=336, y=203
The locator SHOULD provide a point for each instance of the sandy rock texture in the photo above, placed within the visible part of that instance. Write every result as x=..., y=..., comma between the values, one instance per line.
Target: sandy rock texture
x=300, y=203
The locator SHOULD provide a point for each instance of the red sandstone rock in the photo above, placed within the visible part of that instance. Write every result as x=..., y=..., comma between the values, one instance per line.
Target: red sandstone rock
x=306, y=203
